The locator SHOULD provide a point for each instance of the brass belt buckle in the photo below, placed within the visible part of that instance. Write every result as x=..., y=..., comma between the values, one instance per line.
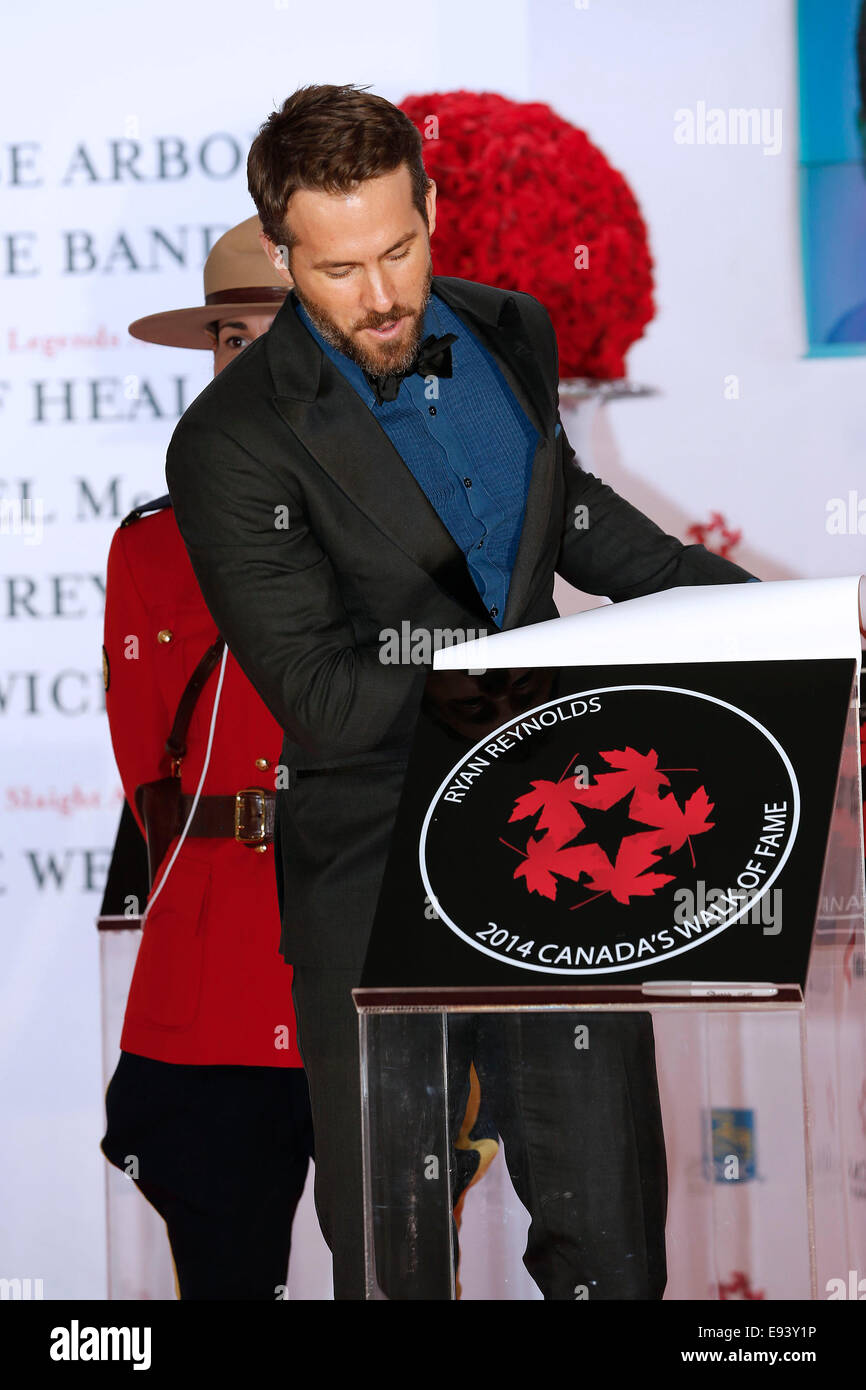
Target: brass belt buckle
x=250, y=821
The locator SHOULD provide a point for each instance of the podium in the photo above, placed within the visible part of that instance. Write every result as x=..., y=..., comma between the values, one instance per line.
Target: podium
x=626, y=885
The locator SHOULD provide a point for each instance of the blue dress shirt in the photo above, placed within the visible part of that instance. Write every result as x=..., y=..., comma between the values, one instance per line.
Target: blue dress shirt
x=466, y=441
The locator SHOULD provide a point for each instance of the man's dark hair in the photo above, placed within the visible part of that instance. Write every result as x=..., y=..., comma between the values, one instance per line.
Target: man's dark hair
x=329, y=138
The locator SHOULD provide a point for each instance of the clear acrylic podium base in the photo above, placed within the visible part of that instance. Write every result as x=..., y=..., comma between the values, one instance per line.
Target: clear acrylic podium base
x=761, y=1115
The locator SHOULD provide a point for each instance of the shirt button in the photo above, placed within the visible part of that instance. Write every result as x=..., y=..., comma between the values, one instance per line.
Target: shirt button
x=494, y=612
x=479, y=545
x=164, y=635
x=262, y=763
x=432, y=409
x=467, y=482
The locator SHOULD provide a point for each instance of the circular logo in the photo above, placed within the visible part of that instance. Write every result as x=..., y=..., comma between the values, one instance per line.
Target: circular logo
x=610, y=829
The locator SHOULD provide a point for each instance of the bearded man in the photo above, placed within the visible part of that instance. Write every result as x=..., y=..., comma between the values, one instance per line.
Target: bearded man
x=326, y=494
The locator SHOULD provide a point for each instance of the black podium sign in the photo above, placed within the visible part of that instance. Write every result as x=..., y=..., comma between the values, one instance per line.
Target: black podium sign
x=622, y=825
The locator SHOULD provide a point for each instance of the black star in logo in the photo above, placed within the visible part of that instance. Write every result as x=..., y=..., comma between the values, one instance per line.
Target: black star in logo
x=608, y=828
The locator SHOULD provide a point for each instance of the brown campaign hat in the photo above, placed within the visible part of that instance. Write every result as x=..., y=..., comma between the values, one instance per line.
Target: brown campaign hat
x=238, y=278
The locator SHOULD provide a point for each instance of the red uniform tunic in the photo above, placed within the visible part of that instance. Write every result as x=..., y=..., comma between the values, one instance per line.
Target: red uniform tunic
x=209, y=985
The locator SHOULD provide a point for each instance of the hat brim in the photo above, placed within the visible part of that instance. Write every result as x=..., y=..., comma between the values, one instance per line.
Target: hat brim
x=188, y=327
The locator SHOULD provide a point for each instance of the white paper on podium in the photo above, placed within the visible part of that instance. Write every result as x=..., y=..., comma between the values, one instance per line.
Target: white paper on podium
x=789, y=619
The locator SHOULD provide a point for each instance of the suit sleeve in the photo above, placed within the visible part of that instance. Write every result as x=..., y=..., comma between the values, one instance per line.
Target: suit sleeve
x=274, y=596
x=137, y=717
x=609, y=547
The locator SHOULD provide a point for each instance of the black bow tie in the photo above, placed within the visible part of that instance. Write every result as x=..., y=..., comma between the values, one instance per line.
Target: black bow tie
x=433, y=359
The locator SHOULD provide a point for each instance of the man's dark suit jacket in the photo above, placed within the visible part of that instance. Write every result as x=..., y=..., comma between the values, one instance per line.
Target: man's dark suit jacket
x=309, y=535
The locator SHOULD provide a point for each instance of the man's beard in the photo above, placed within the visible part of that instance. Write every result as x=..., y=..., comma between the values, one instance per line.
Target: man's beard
x=391, y=357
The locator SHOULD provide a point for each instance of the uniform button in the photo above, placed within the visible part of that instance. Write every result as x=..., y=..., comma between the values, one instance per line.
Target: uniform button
x=260, y=849
x=262, y=763
x=432, y=409
x=467, y=482
x=479, y=545
x=165, y=634
x=494, y=612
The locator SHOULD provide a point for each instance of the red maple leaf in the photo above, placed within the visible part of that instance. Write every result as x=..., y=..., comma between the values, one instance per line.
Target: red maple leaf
x=738, y=1286
x=626, y=878
x=545, y=860
x=638, y=772
x=702, y=532
x=559, y=815
x=675, y=824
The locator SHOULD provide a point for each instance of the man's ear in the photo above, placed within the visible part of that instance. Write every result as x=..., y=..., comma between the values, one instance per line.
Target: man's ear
x=431, y=207
x=278, y=257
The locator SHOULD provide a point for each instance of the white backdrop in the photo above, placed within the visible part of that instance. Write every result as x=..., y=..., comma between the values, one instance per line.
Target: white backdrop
x=85, y=247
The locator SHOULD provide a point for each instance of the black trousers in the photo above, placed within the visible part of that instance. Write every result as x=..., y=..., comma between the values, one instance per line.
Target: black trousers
x=581, y=1124
x=222, y=1154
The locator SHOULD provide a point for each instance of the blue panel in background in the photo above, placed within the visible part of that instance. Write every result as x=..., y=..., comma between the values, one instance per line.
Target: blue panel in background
x=827, y=41
x=832, y=176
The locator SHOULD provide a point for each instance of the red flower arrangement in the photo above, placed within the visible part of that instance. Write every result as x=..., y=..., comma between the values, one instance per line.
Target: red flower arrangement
x=526, y=201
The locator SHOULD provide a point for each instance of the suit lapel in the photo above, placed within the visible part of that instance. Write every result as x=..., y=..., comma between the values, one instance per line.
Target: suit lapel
x=311, y=394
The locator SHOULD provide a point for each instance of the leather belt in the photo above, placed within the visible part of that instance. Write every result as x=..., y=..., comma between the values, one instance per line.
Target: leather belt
x=247, y=817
